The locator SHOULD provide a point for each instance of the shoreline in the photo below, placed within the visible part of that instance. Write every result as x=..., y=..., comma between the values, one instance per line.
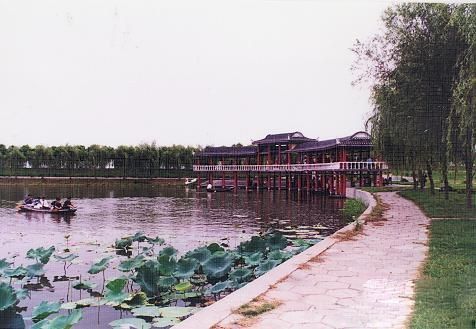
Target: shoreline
x=11, y=180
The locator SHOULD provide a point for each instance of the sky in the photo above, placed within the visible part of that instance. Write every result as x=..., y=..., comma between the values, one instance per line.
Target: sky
x=180, y=72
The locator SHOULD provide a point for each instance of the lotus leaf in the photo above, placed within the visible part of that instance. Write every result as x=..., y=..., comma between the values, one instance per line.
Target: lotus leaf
x=147, y=311
x=201, y=254
x=135, y=300
x=83, y=285
x=176, y=312
x=300, y=243
x=240, y=275
x=167, y=281
x=114, y=293
x=186, y=268
x=131, y=264
x=43, y=310
x=279, y=255
x=219, y=287
x=139, y=237
x=67, y=258
x=265, y=267
x=214, y=247
x=124, y=243
x=69, y=306
x=155, y=240
x=100, y=266
x=168, y=251
x=167, y=264
x=130, y=323
x=60, y=322
x=218, y=265
x=165, y=322
x=90, y=302
x=35, y=270
x=8, y=297
x=3, y=265
x=17, y=272
x=254, y=259
x=255, y=244
x=40, y=254
x=276, y=241
x=183, y=286
x=148, y=277
x=192, y=294
x=21, y=293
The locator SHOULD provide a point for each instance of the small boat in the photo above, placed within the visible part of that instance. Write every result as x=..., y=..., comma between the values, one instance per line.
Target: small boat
x=221, y=189
x=190, y=181
x=24, y=208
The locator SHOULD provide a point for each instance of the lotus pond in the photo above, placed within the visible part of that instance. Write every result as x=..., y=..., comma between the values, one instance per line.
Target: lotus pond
x=142, y=254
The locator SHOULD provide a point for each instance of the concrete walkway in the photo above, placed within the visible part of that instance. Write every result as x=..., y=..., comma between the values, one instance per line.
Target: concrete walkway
x=366, y=282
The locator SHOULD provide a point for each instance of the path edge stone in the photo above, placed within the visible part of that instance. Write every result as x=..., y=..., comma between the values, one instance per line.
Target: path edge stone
x=218, y=311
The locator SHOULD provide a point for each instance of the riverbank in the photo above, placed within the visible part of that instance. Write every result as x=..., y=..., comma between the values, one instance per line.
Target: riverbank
x=363, y=279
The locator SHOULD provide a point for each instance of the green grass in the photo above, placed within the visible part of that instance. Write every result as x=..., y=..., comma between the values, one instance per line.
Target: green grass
x=391, y=188
x=353, y=209
x=437, y=206
x=446, y=292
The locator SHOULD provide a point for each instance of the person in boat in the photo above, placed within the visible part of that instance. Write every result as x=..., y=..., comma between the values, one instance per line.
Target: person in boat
x=28, y=200
x=68, y=204
x=56, y=204
x=42, y=204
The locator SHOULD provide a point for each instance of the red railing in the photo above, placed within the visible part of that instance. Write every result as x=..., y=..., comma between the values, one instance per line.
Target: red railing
x=333, y=166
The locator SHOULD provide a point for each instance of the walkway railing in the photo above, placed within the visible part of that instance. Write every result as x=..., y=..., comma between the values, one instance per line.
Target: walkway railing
x=333, y=166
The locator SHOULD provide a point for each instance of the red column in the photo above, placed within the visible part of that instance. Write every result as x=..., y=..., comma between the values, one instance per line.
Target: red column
x=331, y=184
x=299, y=182
x=279, y=181
x=338, y=185
x=344, y=183
x=235, y=183
x=308, y=183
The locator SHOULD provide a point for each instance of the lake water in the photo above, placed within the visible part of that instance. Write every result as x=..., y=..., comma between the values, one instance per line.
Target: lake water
x=185, y=218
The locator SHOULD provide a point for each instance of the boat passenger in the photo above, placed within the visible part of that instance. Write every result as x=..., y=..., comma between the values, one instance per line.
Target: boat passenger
x=56, y=204
x=68, y=204
x=28, y=199
x=42, y=204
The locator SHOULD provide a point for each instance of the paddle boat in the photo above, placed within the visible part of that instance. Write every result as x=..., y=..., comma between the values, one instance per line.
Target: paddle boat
x=26, y=208
x=190, y=181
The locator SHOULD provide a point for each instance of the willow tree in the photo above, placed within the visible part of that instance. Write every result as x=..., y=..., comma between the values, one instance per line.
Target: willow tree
x=411, y=67
x=462, y=120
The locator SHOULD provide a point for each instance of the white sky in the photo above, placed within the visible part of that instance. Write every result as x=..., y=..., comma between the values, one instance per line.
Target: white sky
x=179, y=72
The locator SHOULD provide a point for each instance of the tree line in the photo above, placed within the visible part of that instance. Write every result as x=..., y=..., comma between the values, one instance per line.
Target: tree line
x=144, y=160
x=421, y=69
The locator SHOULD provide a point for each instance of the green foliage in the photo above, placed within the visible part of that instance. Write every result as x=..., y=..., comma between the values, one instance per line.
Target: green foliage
x=353, y=208
x=218, y=265
x=40, y=254
x=44, y=309
x=114, y=291
x=8, y=297
x=130, y=323
x=148, y=276
x=131, y=264
x=241, y=275
x=186, y=268
x=100, y=266
x=201, y=254
x=214, y=247
x=35, y=270
x=255, y=244
x=276, y=241
x=265, y=267
x=60, y=322
x=123, y=243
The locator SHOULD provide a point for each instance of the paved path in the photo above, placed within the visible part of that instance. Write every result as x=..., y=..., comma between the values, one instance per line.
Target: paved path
x=367, y=282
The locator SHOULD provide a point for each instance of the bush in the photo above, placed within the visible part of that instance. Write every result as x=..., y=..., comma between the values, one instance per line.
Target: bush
x=353, y=209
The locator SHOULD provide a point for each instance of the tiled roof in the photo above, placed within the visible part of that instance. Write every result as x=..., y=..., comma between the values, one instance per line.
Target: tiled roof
x=228, y=150
x=295, y=136
x=360, y=138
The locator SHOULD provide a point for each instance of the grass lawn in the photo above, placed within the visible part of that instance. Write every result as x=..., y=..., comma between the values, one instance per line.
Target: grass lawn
x=446, y=291
x=436, y=206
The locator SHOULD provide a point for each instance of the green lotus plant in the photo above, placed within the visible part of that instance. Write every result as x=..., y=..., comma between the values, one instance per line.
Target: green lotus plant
x=8, y=297
x=130, y=323
x=114, y=294
x=218, y=265
x=60, y=322
x=40, y=254
x=44, y=309
x=185, y=268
